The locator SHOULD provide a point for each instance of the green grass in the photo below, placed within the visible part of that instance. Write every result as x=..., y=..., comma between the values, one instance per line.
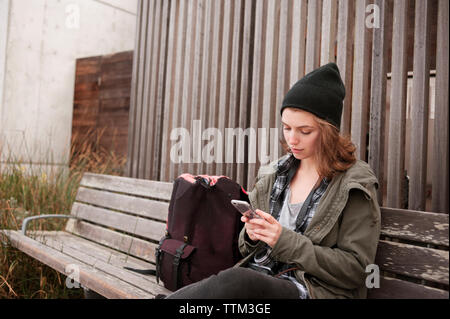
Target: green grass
x=22, y=195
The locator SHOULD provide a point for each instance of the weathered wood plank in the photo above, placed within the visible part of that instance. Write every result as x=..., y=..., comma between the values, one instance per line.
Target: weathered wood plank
x=417, y=262
x=378, y=97
x=360, y=89
x=160, y=86
x=194, y=164
x=168, y=93
x=298, y=43
x=187, y=82
x=133, y=225
x=329, y=28
x=224, y=88
x=245, y=87
x=136, y=126
x=110, y=238
x=233, y=106
x=424, y=227
x=206, y=75
x=177, y=115
x=344, y=57
x=90, y=277
x=257, y=87
x=133, y=92
x=148, y=113
x=103, y=260
x=313, y=35
x=127, y=185
x=440, y=174
x=391, y=288
x=215, y=69
x=59, y=239
x=397, y=112
x=269, y=85
x=419, y=107
x=129, y=204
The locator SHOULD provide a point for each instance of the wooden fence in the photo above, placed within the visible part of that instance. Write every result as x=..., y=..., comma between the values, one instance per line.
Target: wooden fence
x=202, y=64
x=101, y=102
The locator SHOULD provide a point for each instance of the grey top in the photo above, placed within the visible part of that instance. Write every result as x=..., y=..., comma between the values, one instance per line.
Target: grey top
x=289, y=212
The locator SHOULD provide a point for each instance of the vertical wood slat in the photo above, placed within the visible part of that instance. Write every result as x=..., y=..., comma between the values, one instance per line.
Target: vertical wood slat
x=360, y=90
x=194, y=165
x=224, y=88
x=215, y=80
x=440, y=175
x=397, y=118
x=142, y=109
x=378, y=97
x=178, y=84
x=313, y=35
x=298, y=43
x=135, y=101
x=344, y=58
x=246, y=80
x=231, y=144
x=168, y=94
x=269, y=84
x=187, y=83
x=283, y=74
x=257, y=86
x=419, y=106
x=143, y=133
x=204, y=99
x=269, y=91
x=329, y=30
x=160, y=93
x=149, y=94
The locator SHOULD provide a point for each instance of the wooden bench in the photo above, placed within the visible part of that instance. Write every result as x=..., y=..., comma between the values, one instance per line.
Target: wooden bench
x=115, y=222
x=118, y=221
x=412, y=255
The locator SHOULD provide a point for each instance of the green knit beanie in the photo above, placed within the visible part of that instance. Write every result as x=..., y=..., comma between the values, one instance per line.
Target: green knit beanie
x=320, y=92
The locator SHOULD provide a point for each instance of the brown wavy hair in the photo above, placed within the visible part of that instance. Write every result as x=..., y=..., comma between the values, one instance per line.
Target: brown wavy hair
x=335, y=152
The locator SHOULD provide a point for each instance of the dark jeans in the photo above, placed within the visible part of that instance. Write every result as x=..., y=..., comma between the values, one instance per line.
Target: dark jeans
x=238, y=283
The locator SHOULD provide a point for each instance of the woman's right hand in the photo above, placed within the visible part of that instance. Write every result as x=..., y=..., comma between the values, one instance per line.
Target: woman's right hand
x=250, y=228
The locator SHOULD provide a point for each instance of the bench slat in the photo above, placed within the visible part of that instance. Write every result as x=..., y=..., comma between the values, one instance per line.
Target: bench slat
x=413, y=261
x=131, y=224
x=127, y=185
x=391, y=288
x=130, y=204
x=101, y=260
x=121, y=242
x=104, y=253
x=425, y=227
x=89, y=277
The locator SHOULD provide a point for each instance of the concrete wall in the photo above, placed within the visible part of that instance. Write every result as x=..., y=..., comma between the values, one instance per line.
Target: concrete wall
x=39, y=43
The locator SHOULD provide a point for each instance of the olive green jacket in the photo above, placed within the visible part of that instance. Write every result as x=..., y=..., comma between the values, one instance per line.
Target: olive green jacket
x=339, y=242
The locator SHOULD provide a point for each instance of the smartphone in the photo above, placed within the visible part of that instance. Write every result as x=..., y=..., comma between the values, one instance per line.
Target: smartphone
x=245, y=208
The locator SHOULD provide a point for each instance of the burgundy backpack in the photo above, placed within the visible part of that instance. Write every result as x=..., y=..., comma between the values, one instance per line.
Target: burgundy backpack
x=202, y=230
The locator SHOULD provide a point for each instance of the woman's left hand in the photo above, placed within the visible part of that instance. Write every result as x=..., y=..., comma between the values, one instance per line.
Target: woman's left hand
x=269, y=230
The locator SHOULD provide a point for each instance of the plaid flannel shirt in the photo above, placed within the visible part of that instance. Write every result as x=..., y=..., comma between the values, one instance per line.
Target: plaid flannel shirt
x=286, y=169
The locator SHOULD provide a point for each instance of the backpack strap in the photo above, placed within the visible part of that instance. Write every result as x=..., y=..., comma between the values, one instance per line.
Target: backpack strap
x=176, y=264
x=158, y=255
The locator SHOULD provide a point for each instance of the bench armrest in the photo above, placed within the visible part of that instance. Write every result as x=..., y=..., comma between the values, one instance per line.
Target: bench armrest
x=28, y=219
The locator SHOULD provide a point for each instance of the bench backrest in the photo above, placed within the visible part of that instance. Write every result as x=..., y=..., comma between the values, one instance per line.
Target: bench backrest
x=412, y=255
x=123, y=213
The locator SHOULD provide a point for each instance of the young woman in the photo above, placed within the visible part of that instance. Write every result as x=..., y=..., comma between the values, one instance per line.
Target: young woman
x=320, y=215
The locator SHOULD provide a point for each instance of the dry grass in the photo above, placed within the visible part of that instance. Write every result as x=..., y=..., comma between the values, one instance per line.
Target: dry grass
x=23, y=194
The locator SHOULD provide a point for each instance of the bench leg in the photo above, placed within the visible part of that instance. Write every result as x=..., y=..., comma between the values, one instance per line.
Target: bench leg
x=90, y=294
